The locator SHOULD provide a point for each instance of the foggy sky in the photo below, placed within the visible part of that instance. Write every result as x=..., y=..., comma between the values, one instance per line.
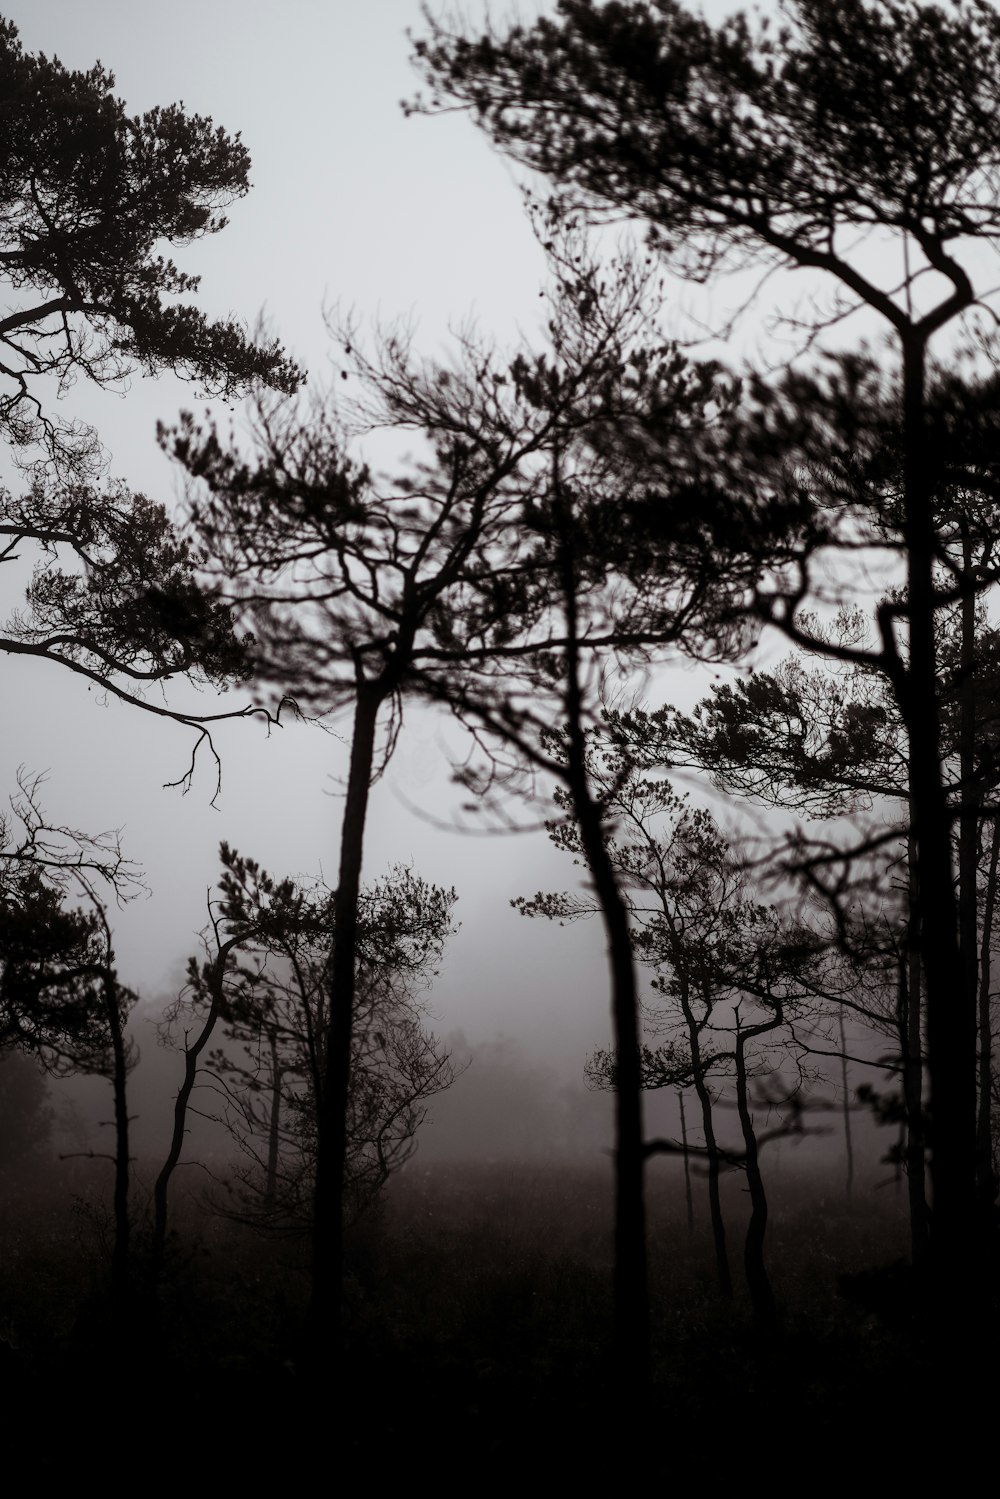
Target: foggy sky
x=356, y=206
x=351, y=205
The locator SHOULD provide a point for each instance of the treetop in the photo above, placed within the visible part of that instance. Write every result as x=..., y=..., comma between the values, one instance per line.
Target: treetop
x=89, y=197
x=751, y=136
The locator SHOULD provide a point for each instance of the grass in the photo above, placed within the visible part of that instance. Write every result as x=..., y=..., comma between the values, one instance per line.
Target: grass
x=478, y=1316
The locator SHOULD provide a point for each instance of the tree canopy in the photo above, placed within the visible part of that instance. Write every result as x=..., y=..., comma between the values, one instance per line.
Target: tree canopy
x=89, y=198
x=752, y=135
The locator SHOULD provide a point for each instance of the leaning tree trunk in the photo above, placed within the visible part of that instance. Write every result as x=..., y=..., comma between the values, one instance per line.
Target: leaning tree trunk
x=192, y=1056
x=323, y=1318
x=630, y=1275
x=724, y=1274
x=631, y=1286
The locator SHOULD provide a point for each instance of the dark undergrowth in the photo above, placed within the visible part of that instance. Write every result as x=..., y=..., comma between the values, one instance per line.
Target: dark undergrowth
x=478, y=1316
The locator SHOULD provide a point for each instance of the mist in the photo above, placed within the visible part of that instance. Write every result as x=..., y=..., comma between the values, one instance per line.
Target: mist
x=499, y=839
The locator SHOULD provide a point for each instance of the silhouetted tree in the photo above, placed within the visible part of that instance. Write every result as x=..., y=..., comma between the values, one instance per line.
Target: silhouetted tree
x=212, y=982
x=265, y=983
x=733, y=977
x=277, y=1017
x=616, y=575
x=89, y=196
x=357, y=590
x=828, y=743
x=499, y=578
x=115, y=597
x=831, y=742
x=792, y=147
x=363, y=594
x=62, y=1003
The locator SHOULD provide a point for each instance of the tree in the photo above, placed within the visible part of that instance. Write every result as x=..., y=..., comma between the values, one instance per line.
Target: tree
x=265, y=983
x=492, y=580
x=792, y=148
x=358, y=592
x=89, y=197
x=832, y=742
x=363, y=594
x=827, y=743
x=273, y=1082
x=61, y=1001
x=731, y=978
x=212, y=982
x=615, y=574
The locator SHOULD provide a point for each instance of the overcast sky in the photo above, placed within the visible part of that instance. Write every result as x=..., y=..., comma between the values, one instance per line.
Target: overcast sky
x=353, y=205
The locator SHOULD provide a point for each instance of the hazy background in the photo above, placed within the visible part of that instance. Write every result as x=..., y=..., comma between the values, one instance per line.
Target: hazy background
x=356, y=206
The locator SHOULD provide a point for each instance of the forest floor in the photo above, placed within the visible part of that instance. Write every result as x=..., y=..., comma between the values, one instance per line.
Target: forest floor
x=478, y=1319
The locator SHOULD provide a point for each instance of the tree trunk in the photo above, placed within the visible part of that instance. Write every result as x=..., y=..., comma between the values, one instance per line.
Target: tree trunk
x=323, y=1319
x=951, y=1007
x=631, y=1287
x=723, y=1272
x=848, y=1142
x=273, y=1127
x=630, y=1277
x=688, y=1196
x=912, y=1053
x=758, y=1282
x=192, y=1054
x=119, y=1072
x=987, y=1178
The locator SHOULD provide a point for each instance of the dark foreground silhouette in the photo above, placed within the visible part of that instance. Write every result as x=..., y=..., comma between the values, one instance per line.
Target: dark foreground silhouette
x=478, y=1337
